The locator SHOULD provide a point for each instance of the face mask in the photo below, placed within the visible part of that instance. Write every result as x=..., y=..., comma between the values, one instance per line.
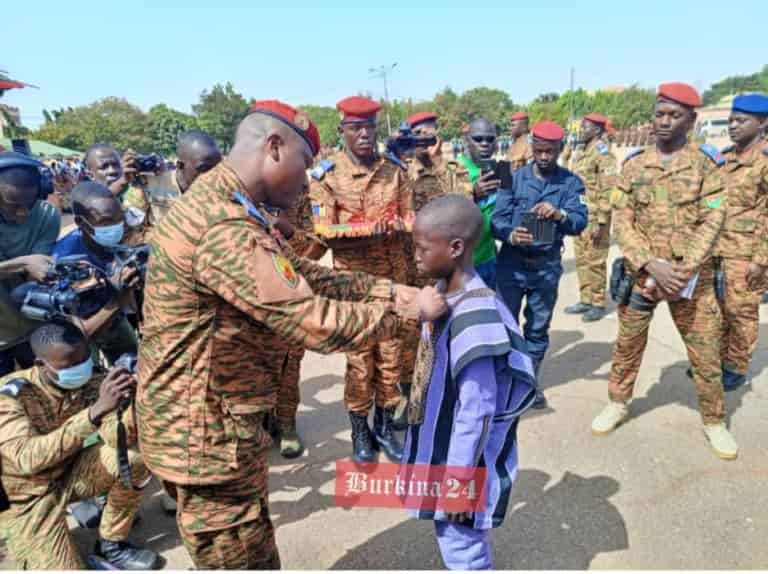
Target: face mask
x=109, y=235
x=74, y=377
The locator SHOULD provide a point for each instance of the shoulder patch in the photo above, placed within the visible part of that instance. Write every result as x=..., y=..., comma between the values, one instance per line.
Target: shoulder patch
x=712, y=153
x=602, y=149
x=395, y=160
x=285, y=270
x=323, y=166
x=634, y=153
x=250, y=208
x=13, y=387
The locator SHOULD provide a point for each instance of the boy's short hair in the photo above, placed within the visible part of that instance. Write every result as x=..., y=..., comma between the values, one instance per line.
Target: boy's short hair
x=55, y=333
x=454, y=216
x=85, y=193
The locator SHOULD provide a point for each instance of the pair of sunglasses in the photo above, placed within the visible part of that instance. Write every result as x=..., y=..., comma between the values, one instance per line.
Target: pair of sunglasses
x=483, y=139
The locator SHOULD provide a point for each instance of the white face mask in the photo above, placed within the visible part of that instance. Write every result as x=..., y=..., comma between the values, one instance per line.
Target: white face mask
x=109, y=235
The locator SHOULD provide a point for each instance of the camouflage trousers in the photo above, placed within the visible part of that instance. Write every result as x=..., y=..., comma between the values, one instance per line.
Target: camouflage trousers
x=591, y=268
x=741, y=317
x=288, y=393
x=698, y=322
x=37, y=532
x=227, y=526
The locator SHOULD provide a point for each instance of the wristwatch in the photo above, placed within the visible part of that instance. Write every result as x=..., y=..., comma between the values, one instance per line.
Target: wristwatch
x=564, y=214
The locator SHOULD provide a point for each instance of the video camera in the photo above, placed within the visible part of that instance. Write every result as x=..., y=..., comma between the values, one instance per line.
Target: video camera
x=21, y=156
x=150, y=163
x=405, y=142
x=129, y=257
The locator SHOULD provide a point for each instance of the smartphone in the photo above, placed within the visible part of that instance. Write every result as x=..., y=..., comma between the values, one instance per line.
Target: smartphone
x=530, y=221
x=503, y=172
x=543, y=230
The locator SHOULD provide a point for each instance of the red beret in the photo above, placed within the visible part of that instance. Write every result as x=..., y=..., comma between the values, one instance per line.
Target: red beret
x=680, y=93
x=548, y=130
x=518, y=116
x=357, y=108
x=421, y=117
x=609, y=128
x=296, y=119
x=597, y=119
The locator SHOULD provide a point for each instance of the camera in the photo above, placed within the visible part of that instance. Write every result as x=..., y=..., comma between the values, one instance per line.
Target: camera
x=404, y=142
x=128, y=362
x=126, y=257
x=75, y=288
x=150, y=163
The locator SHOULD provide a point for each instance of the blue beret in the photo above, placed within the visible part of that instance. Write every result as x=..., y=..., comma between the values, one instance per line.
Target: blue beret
x=751, y=104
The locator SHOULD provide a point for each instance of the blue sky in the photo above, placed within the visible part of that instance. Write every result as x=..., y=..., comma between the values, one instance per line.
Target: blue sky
x=319, y=52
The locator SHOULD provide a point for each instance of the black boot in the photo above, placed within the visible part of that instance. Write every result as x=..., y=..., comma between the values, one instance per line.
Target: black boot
x=540, y=402
x=400, y=420
x=363, y=445
x=385, y=434
x=124, y=556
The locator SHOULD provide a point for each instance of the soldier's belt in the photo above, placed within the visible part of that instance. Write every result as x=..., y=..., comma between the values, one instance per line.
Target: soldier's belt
x=356, y=229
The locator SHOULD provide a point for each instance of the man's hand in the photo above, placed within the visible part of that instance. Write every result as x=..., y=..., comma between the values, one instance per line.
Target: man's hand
x=126, y=278
x=546, y=210
x=38, y=267
x=520, y=236
x=755, y=276
x=670, y=279
x=484, y=185
x=599, y=235
x=119, y=384
x=431, y=304
x=130, y=170
x=405, y=295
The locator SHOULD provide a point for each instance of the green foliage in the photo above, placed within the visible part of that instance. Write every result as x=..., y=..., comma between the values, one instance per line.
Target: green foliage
x=757, y=82
x=165, y=124
x=327, y=121
x=219, y=112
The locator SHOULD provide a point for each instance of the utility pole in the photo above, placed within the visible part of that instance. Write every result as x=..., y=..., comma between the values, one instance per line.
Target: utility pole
x=570, y=106
x=381, y=72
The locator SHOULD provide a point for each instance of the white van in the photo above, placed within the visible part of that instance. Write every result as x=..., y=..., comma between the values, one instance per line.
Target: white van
x=713, y=128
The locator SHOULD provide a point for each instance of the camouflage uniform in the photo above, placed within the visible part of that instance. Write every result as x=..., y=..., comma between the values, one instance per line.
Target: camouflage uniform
x=351, y=193
x=744, y=240
x=45, y=468
x=671, y=212
x=596, y=166
x=219, y=292
x=304, y=244
x=520, y=153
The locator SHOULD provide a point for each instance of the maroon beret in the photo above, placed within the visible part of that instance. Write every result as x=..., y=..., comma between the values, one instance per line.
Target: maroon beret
x=357, y=108
x=548, y=130
x=597, y=119
x=518, y=116
x=294, y=118
x=421, y=117
x=680, y=93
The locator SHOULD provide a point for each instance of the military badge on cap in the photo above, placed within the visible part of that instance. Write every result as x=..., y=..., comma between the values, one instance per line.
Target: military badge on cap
x=285, y=270
x=301, y=121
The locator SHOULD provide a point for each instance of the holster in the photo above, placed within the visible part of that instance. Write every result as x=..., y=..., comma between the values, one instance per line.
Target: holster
x=621, y=282
x=719, y=278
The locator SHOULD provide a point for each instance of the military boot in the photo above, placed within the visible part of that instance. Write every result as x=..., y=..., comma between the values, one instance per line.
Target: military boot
x=290, y=443
x=400, y=420
x=577, y=308
x=385, y=434
x=123, y=555
x=363, y=444
x=594, y=314
x=540, y=401
x=732, y=380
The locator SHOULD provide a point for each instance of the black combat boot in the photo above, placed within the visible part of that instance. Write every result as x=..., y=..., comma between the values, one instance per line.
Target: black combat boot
x=124, y=556
x=400, y=420
x=363, y=445
x=540, y=402
x=385, y=434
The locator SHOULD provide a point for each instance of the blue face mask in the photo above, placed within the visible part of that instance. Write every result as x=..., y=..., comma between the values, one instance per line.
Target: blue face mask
x=74, y=377
x=109, y=235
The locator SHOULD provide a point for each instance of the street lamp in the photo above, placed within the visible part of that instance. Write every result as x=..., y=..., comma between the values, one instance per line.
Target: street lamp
x=381, y=72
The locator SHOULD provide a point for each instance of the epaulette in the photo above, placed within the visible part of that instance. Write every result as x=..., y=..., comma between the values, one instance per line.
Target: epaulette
x=712, y=153
x=394, y=159
x=13, y=387
x=602, y=149
x=250, y=208
x=634, y=153
x=324, y=166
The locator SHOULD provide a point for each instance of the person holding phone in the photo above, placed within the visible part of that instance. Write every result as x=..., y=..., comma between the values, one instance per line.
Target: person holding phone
x=544, y=203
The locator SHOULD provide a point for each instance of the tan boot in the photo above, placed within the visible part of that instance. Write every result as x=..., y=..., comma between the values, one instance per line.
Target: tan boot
x=609, y=418
x=721, y=441
x=290, y=443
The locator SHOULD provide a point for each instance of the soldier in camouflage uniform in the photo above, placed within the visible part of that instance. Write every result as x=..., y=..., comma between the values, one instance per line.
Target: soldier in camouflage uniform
x=222, y=287
x=46, y=413
x=596, y=166
x=520, y=152
x=743, y=245
x=670, y=207
x=360, y=201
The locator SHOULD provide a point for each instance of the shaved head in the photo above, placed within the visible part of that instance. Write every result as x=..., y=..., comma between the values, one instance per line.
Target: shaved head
x=197, y=153
x=452, y=216
x=481, y=139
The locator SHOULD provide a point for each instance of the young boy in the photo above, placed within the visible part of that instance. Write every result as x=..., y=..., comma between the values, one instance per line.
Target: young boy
x=473, y=380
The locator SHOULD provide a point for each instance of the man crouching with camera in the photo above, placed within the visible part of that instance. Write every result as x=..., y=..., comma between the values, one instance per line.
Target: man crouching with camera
x=46, y=413
x=98, y=237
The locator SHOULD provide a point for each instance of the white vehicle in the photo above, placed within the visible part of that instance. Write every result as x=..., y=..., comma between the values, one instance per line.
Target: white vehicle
x=713, y=128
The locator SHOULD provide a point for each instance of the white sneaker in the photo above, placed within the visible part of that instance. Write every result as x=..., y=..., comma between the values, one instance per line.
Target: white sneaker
x=610, y=417
x=721, y=441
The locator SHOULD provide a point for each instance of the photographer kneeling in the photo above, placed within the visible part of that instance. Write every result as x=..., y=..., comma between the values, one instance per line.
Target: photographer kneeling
x=100, y=229
x=46, y=413
x=29, y=227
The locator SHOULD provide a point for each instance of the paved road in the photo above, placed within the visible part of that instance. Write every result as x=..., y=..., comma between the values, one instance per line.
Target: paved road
x=650, y=496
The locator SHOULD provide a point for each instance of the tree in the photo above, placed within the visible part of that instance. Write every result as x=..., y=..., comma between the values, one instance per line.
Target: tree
x=219, y=112
x=110, y=120
x=165, y=124
x=327, y=121
x=757, y=82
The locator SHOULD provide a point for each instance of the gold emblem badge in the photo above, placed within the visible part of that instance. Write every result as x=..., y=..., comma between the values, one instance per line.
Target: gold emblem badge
x=301, y=121
x=285, y=270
